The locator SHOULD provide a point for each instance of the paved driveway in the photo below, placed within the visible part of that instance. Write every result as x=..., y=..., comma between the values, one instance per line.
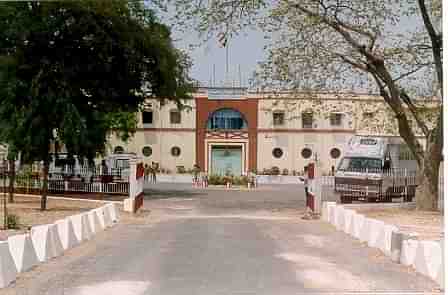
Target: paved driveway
x=220, y=242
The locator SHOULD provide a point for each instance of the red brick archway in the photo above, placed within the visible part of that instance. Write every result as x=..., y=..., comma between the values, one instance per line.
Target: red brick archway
x=205, y=107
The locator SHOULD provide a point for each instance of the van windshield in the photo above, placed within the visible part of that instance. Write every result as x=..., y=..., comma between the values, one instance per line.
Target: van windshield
x=359, y=163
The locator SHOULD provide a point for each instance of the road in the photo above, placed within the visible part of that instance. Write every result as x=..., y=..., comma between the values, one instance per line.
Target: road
x=215, y=241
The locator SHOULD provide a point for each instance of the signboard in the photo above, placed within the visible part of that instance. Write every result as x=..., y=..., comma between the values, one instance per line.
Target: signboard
x=226, y=93
x=366, y=147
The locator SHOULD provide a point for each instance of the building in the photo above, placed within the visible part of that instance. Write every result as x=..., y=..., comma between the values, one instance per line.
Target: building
x=233, y=130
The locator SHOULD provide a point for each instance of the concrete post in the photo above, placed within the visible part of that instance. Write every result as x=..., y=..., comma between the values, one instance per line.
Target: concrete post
x=397, y=240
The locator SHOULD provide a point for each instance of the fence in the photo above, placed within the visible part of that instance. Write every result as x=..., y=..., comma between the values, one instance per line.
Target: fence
x=376, y=185
x=30, y=183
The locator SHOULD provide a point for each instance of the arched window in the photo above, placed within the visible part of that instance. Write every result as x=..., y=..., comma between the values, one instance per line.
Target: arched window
x=226, y=119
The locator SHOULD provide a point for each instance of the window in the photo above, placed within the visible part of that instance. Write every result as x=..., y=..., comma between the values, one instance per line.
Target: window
x=118, y=150
x=226, y=119
x=336, y=119
x=367, y=115
x=175, y=117
x=277, y=153
x=147, y=151
x=306, y=153
x=147, y=117
x=175, y=151
x=307, y=120
x=359, y=164
x=278, y=118
x=335, y=153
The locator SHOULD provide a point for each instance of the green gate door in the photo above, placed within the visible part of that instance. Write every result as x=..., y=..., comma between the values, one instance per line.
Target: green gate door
x=226, y=159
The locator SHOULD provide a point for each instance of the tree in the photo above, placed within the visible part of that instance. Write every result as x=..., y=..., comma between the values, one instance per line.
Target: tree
x=76, y=71
x=323, y=44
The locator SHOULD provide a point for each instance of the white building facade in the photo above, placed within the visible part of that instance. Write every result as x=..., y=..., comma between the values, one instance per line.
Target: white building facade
x=232, y=130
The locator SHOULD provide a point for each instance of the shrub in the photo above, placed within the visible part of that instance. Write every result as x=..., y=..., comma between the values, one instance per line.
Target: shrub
x=12, y=221
x=275, y=170
x=285, y=172
x=181, y=169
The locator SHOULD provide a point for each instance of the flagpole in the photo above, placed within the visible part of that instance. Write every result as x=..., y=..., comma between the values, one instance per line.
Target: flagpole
x=227, y=64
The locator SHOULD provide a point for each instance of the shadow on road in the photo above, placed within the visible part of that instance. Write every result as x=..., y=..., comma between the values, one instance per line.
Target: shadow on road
x=157, y=194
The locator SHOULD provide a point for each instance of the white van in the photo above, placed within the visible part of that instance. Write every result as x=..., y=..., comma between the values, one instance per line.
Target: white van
x=370, y=171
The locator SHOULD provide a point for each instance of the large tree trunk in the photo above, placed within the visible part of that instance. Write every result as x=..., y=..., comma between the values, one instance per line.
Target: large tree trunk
x=43, y=200
x=427, y=191
x=12, y=178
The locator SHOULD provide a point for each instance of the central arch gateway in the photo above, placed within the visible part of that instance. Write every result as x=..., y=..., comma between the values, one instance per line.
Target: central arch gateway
x=226, y=135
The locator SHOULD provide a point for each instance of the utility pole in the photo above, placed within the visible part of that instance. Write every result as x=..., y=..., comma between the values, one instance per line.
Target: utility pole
x=214, y=75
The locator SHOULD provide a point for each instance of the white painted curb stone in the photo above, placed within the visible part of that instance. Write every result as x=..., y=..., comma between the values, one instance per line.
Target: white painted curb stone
x=364, y=234
x=43, y=242
x=100, y=214
x=107, y=218
x=94, y=221
x=386, y=247
x=66, y=233
x=326, y=210
x=340, y=218
x=113, y=212
x=428, y=258
x=22, y=251
x=358, y=222
x=348, y=220
x=8, y=271
x=57, y=244
x=81, y=226
x=332, y=214
x=376, y=233
x=408, y=250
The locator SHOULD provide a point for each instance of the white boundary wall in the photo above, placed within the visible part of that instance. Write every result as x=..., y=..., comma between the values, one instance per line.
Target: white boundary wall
x=425, y=256
x=22, y=251
x=8, y=271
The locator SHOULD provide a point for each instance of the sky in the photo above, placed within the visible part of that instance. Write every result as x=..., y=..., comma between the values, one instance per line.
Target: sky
x=245, y=52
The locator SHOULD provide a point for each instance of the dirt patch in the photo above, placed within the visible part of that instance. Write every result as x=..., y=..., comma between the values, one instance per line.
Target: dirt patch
x=427, y=224
x=28, y=211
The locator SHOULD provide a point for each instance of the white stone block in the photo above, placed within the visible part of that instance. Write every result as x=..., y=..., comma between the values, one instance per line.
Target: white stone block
x=440, y=276
x=43, y=242
x=94, y=221
x=386, y=245
x=326, y=210
x=332, y=213
x=58, y=249
x=8, y=271
x=100, y=214
x=128, y=205
x=114, y=215
x=67, y=233
x=357, y=224
x=408, y=250
x=107, y=217
x=376, y=233
x=340, y=218
x=348, y=219
x=428, y=258
x=81, y=225
x=22, y=251
x=364, y=234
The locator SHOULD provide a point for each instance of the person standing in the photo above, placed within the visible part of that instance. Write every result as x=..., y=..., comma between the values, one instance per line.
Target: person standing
x=146, y=173
x=153, y=172
x=196, y=170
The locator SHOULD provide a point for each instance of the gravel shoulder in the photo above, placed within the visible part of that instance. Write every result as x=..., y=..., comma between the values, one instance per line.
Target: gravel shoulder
x=427, y=224
x=28, y=211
